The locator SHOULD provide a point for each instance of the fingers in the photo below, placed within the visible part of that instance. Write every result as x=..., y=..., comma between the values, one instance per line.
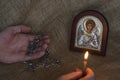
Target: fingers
x=34, y=56
x=89, y=75
x=89, y=72
x=71, y=76
x=23, y=41
x=38, y=54
x=44, y=47
x=46, y=39
x=19, y=29
x=77, y=69
x=23, y=57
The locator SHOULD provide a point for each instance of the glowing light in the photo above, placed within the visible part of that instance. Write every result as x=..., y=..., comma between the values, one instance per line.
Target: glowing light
x=86, y=55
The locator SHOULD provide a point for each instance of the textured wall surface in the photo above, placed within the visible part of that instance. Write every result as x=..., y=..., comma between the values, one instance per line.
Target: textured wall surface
x=54, y=17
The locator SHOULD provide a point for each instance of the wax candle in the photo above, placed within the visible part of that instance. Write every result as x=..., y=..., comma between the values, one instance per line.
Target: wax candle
x=85, y=62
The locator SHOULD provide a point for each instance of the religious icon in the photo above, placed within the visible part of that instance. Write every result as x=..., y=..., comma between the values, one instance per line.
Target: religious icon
x=89, y=32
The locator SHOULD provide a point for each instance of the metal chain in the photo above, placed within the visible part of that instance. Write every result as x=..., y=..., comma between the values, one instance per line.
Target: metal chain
x=44, y=62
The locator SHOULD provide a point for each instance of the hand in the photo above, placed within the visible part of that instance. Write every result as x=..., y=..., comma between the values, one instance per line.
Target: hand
x=14, y=43
x=89, y=75
x=77, y=75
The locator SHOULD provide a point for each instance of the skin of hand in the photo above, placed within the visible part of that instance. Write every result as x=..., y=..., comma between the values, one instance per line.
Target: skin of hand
x=77, y=75
x=89, y=75
x=14, y=42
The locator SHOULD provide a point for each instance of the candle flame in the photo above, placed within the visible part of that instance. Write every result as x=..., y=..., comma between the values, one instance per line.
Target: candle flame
x=86, y=55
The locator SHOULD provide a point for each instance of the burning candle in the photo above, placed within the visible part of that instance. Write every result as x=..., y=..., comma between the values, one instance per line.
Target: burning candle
x=85, y=62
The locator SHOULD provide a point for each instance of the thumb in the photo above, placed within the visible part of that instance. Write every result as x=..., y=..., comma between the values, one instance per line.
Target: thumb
x=89, y=75
x=19, y=29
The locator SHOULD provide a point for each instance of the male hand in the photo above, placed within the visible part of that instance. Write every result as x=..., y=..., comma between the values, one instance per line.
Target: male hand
x=77, y=75
x=14, y=43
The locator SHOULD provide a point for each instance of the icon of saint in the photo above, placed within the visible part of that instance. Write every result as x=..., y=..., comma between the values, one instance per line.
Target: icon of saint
x=89, y=37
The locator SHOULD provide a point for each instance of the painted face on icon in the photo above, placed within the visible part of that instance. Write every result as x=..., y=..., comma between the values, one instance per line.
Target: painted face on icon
x=90, y=24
